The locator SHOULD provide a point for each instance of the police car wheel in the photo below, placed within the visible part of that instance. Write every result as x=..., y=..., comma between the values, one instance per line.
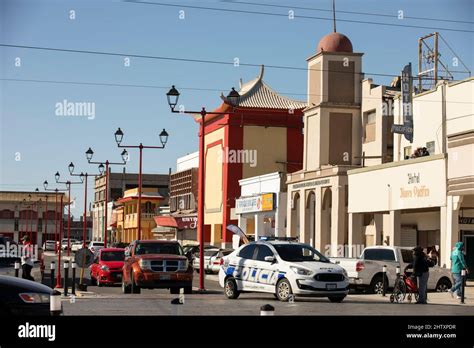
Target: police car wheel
x=230, y=289
x=283, y=290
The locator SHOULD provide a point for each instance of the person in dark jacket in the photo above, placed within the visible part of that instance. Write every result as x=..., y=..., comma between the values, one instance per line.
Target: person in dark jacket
x=421, y=265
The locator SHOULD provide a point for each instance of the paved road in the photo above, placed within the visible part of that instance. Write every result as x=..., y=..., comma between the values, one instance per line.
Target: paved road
x=109, y=300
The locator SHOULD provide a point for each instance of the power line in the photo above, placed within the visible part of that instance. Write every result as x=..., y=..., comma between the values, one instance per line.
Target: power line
x=189, y=60
x=289, y=7
x=186, y=88
x=295, y=16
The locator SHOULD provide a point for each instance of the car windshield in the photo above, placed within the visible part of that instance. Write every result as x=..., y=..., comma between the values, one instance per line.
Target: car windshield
x=210, y=252
x=298, y=253
x=158, y=248
x=113, y=255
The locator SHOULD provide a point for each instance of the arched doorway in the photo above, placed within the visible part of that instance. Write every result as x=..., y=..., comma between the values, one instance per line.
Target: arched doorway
x=295, y=216
x=310, y=215
x=326, y=222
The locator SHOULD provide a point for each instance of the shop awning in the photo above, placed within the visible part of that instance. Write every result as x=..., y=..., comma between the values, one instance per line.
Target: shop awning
x=179, y=222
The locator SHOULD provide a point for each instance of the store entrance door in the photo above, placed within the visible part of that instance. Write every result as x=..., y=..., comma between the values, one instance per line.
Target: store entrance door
x=469, y=247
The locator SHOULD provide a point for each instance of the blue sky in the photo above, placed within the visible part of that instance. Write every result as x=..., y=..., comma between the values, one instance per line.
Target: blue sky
x=47, y=143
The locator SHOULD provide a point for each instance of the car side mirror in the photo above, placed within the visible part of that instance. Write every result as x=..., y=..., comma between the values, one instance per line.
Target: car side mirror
x=127, y=252
x=270, y=259
x=189, y=254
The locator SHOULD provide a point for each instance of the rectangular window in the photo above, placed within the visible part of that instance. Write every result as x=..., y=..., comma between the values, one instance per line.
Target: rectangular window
x=407, y=152
x=16, y=225
x=369, y=126
x=430, y=147
x=40, y=225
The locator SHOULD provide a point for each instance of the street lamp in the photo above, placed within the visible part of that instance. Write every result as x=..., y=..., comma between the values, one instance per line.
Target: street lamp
x=89, y=155
x=233, y=100
x=83, y=177
x=118, y=138
x=68, y=185
x=57, y=249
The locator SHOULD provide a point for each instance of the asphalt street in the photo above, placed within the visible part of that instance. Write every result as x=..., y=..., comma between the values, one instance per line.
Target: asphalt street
x=109, y=300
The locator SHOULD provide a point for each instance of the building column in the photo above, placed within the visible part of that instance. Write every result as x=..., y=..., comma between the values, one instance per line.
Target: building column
x=318, y=243
x=259, y=226
x=378, y=229
x=337, y=218
x=288, y=214
x=449, y=230
x=280, y=212
x=356, y=234
x=302, y=217
x=392, y=227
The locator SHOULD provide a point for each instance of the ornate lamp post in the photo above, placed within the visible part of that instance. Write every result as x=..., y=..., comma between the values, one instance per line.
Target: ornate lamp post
x=233, y=98
x=163, y=139
x=89, y=155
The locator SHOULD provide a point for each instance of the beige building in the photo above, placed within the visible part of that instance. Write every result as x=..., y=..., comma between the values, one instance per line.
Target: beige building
x=426, y=200
x=317, y=194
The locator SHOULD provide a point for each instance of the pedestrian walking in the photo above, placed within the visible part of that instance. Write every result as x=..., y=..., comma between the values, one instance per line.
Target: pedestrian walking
x=458, y=263
x=26, y=258
x=421, y=264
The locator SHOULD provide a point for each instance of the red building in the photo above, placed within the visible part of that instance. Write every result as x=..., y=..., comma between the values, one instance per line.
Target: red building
x=263, y=134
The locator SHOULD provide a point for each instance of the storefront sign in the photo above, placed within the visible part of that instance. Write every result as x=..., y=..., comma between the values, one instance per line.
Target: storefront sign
x=466, y=220
x=311, y=183
x=264, y=202
x=407, y=104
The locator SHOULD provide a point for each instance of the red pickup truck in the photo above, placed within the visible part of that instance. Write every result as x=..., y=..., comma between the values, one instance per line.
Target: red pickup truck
x=156, y=264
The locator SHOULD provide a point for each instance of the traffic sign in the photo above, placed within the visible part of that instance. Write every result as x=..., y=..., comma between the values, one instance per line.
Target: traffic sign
x=84, y=257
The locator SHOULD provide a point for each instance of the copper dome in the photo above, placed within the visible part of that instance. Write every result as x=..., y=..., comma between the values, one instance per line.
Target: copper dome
x=335, y=42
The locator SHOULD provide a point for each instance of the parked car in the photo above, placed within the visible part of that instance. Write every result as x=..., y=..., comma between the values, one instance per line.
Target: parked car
x=192, y=250
x=50, y=245
x=365, y=272
x=77, y=245
x=107, y=266
x=156, y=264
x=95, y=246
x=64, y=243
x=212, y=260
x=283, y=268
x=23, y=297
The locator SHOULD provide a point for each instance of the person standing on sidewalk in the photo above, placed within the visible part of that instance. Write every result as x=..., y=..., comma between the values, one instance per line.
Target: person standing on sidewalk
x=421, y=265
x=26, y=258
x=458, y=263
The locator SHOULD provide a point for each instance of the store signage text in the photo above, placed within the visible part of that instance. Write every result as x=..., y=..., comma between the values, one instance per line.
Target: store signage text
x=415, y=191
x=258, y=203
x=311, y=183
x=466, y=220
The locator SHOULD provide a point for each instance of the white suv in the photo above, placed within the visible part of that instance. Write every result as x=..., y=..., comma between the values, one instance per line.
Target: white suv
x=283, y=268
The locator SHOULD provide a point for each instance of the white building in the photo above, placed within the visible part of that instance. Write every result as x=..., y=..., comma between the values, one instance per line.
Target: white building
x=261, y=208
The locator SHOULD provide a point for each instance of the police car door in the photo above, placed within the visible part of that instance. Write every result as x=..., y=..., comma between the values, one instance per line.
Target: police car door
x=244, y=266
x=265, y=271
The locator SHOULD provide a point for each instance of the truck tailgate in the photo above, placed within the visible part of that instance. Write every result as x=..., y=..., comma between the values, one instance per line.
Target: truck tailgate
x=349, y=264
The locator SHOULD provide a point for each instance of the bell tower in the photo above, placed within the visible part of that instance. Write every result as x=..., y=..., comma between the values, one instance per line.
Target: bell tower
x=332, y=119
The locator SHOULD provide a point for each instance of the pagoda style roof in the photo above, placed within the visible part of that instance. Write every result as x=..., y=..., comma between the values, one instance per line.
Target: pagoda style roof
x=257, y=94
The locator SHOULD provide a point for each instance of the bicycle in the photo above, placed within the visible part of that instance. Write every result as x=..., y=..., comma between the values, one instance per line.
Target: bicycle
x=404, y=285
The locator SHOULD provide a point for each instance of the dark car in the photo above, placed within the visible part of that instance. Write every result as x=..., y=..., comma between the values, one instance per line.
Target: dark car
x=23, y=297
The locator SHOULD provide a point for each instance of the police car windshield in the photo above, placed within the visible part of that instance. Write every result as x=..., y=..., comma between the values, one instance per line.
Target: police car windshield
x=298, y=253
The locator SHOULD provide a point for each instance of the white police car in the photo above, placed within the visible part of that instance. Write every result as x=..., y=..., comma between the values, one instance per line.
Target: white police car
x=284, y=268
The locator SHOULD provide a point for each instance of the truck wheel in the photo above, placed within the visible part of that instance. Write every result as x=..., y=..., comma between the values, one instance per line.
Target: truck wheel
x=174, y=291
x=376, y=285
x=135, y=288
x=444, y=284
x=283, y=290
x=230, y=289
x=337, y=299
x=188, y=289
x=126, y=289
